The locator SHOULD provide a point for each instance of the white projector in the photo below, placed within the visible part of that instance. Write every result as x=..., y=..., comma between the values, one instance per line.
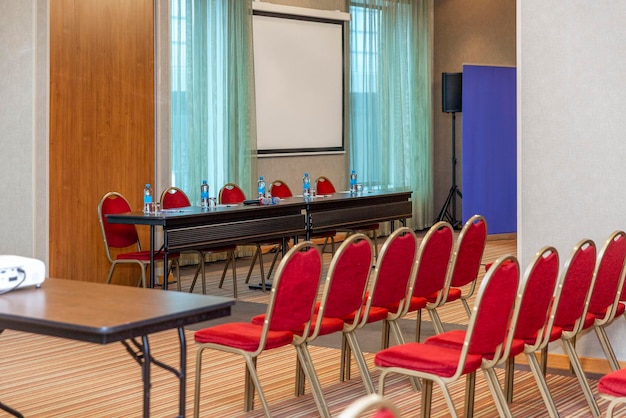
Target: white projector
x=17, y=271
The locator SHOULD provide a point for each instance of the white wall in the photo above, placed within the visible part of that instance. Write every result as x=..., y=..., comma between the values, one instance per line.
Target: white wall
x=24, y=124
x=571, y=60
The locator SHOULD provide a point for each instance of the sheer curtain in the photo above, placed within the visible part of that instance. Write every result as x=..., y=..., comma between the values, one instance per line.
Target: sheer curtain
x=213, y=114
x=390, y=99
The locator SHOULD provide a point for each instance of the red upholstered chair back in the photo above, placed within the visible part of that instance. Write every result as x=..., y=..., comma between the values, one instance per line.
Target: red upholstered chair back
x=280, y=189
x=173, y=197
x=433, y=259
x=541, y=280
x=231, y=194
x=294, y=288
x=469, y=251
x=349, y=272
x=577, y=283
x=116, y=235
x=324, y=186
x=609, y=272
x=489, y=322
x=394, y=268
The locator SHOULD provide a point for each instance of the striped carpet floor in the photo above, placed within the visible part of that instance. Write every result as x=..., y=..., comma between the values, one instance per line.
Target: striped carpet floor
x=52, y=377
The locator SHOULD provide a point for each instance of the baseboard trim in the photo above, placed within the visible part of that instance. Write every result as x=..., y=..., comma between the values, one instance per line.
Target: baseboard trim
x=561, y=362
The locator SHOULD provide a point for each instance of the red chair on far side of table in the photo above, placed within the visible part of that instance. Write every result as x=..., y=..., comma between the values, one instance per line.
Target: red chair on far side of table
x=280, y=189
x=122, y=237
x=231, y=193
x=172, y=198
x=324, y=186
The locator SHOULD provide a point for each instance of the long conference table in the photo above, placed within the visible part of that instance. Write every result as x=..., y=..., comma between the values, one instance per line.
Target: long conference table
x=194, y=228
x=102, y=314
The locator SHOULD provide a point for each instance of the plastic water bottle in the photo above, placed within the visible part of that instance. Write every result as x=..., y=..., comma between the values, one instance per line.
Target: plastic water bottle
x=204, y=195
x=353, y=187
x=147, y=199
x=261, y=187
x=306, y=185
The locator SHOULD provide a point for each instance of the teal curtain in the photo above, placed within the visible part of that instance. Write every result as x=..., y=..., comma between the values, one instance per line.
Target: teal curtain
x=390, y=99
x=213, y=112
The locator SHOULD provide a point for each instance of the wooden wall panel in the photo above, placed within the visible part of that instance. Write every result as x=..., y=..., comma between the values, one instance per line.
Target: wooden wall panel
x=101, y=124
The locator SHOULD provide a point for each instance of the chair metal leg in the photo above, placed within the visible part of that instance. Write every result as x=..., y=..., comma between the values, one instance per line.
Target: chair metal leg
x=436, y=321
x=230, y=259
x=360, y=362
x=607, y=347
x=509, y=369
x=199, y=269
x=427, y=397
x=418, y=325
x=580, y=374
x=196, y=396
x=538, y=374
x=496, y=393
x=254, y=257
x=344, y=370
x=397, y=335
x=470, y=390
x=306, y=362
x=252, y=382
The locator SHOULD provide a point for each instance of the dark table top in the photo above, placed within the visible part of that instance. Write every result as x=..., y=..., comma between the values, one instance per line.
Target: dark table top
x=100, y=313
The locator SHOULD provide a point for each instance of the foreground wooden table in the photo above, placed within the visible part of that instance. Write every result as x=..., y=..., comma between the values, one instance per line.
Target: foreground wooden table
x=102, y=314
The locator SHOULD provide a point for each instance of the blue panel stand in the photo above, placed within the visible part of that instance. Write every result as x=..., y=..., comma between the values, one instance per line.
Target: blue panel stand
x=489, y=159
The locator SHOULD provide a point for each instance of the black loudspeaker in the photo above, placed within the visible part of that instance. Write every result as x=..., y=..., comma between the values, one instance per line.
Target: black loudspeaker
x=451, y=92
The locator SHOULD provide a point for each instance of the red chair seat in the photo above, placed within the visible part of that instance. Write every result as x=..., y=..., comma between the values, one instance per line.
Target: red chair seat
x=619, y=311
x=328, y=326
x=453, y=294
x=242, y=335
x=589, y=319
x=375, y=314
x=454, y=340
x=429, y=358
x=416, y=303
x=144, y=256
x=555, y=334
x=613, y=384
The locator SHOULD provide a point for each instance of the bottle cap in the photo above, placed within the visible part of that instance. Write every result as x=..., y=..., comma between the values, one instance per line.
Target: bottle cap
x=203, y=181
x=148, y=185
x=261, y=178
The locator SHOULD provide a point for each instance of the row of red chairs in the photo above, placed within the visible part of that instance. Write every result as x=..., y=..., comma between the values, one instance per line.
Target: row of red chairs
x=350, y=299
x=121, y=237
x=509, y=317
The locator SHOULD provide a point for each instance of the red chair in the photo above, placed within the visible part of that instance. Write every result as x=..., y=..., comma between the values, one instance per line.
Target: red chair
x=280, y=189
x=342, y=297
x=570, y=315
x=385, y=299
x=605, y=304
x=465, y=265
x=372, y=406
x=343, y=293
x=324, y=186
x=172, y=198
x=287, y=320
x=429, y=284
x=612, y=387
x=529, y=322
x=122, y=237
x=231, y=193
x=484, y=342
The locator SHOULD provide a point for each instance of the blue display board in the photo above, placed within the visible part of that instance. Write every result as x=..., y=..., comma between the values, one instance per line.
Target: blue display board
x=489, y=161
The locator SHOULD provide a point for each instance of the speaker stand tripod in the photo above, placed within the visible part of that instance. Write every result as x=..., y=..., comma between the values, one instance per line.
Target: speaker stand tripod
x=448, y=211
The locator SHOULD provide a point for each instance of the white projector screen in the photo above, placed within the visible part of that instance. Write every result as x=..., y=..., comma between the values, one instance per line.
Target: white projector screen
x=299, y=83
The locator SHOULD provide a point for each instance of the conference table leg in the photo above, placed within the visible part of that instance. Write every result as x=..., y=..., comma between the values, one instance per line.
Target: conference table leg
x=141, y=353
